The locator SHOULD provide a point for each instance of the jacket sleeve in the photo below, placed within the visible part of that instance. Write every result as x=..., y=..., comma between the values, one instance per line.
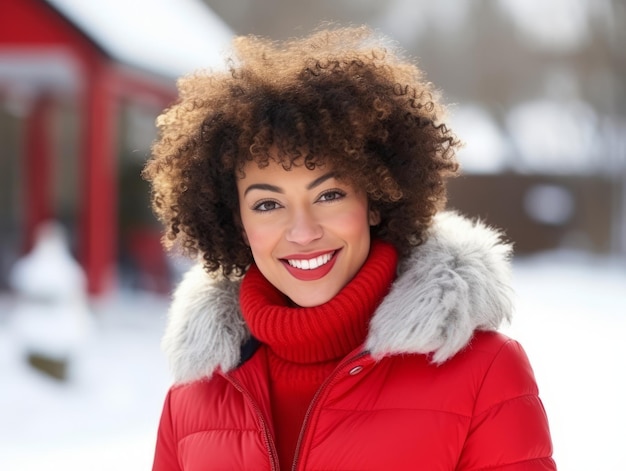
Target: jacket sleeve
x=166, y=456
x=509, y=428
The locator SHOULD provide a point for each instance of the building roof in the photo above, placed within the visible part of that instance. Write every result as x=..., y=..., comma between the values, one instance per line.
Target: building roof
x=166, y=37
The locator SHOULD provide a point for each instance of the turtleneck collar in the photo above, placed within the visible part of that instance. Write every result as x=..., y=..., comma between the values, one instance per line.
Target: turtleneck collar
x=320, y=333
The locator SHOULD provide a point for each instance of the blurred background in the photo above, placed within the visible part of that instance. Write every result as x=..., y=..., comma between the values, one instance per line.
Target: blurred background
x=535, y=88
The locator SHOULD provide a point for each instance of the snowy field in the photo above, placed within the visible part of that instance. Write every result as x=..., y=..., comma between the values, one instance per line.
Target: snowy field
x=571, y=319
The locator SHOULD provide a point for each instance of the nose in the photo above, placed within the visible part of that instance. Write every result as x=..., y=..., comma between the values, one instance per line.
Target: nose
x=303, y=228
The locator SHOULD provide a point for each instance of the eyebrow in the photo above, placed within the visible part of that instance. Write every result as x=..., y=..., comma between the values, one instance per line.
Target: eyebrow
x=276, y=189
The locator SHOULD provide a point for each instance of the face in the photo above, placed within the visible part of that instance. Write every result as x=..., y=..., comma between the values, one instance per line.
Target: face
x=308, y=232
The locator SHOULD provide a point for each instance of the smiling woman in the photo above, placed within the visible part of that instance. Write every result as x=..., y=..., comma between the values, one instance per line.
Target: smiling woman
x=308, y=231
x=339, y=318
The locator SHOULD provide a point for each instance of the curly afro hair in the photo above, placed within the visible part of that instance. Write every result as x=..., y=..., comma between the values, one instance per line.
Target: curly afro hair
x=341, y=97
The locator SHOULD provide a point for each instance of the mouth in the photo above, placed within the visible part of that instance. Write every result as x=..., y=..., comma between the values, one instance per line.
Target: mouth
x=311, y=263
x=313, y=268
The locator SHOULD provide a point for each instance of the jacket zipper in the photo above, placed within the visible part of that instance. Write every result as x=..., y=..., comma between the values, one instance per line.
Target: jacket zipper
x=269, y=443
x=316, y=398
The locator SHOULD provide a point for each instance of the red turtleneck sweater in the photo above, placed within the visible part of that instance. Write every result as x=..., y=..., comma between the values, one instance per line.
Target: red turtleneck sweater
x=306, y=344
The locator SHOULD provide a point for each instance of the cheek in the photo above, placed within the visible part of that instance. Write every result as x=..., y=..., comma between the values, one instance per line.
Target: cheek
x=258, y=235
x=355, y=223
x=255, y=240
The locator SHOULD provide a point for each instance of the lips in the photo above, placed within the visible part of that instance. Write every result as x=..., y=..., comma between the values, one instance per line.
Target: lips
x=314, y=267
x=312, y=263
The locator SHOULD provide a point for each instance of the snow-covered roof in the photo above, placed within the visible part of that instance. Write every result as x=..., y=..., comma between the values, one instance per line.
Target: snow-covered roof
x=486, y=148
x=167, y=37
x=556, y=137
x=542, y=136
x=556, y=25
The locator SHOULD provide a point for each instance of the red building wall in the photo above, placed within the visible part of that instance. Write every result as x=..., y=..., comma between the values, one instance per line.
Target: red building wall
x=34, y=25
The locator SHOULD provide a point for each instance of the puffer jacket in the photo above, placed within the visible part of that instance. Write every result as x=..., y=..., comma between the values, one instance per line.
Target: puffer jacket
x=434, y=386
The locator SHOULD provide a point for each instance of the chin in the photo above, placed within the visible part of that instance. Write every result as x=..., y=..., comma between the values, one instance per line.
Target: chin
x=310, y=301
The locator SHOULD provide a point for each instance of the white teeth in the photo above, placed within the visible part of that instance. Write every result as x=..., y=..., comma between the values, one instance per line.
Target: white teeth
x=313, y=263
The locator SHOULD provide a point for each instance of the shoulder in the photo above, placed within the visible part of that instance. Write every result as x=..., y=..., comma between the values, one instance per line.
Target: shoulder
x=492, y=352
x=489, y=345
x=182, y=392
x=203, y=405
x=490, y=368
x=503, y=367
x=508, y=420
x=196, y=399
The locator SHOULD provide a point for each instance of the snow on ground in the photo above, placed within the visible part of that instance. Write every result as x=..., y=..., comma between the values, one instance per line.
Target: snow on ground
x=105, y=416
x=570, y=318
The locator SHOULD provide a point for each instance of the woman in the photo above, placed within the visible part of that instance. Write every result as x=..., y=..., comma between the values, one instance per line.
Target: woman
x=340, y=319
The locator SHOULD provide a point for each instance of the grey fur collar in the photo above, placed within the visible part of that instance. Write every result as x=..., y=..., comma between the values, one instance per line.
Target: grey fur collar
x=453, y=284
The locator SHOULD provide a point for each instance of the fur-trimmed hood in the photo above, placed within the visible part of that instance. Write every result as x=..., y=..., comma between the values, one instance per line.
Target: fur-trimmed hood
x=456, y=282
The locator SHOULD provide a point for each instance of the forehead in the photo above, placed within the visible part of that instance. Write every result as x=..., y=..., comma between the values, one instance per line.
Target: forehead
x=282, y=164
x=274, y=162
x=281, y=172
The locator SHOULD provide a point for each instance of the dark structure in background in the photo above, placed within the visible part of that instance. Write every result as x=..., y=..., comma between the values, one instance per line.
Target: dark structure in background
x=539, y=213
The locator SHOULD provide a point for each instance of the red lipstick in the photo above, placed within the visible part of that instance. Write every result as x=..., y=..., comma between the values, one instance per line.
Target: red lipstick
x=311, y=274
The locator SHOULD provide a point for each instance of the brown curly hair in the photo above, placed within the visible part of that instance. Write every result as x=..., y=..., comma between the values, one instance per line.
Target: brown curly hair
x=339, y=96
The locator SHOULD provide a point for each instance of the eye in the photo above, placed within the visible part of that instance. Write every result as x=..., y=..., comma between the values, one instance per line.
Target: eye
x=265, y=206
x=331, y=195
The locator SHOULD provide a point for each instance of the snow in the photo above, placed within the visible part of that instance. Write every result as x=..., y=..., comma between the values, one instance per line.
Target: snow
x=105, y=416
x=48, y=270
x=52, y=316
x=169, y=37
x=570, y=318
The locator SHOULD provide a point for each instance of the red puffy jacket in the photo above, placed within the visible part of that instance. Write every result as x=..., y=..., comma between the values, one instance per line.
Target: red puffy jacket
x=433, y=388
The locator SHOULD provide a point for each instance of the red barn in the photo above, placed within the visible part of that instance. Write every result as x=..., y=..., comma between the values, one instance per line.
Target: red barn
x=80, y=85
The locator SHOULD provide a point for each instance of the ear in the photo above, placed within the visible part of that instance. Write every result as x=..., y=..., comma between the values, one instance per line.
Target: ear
x=374, y=217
